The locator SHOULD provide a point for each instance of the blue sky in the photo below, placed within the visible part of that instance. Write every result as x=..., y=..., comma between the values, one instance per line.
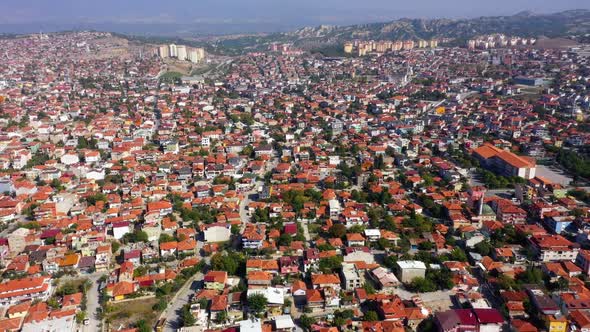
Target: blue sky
x=272, y=12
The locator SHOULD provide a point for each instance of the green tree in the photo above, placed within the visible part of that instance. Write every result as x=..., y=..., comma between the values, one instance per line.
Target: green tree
x=306, y=322
x=53, y=303
x=427, y=325
x=136, y=236
x=341, y=317
x=575, y=162
x=140, y=271
x=531, y=275
x=143, y=326
x=257, y=303
x=166, y=238
x=221, y=317
x=458, y=254
x=248, y=151
x=441, y=278
x=368, y=287
x=563, y=284
x=80, y=316
x=330, y=264
x=31, y=225
x=507, y=283
x=421, y=285
x=67, y=289
x=232, y=262
x=115, y=246
x=371, y=316
x=285, y=239
x=337, y=230
x=187, y=317
x=160, y=305
x=426, y=245
x=92, y=199
x=325, y=247
x=484, y=248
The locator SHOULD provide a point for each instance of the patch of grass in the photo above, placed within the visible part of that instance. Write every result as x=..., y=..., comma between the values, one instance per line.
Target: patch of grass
x=201, y=70
x=129, y=312
x=171, y=77
x=71, y=286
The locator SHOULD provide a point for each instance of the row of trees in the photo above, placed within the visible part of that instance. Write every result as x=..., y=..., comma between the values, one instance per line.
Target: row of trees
x=576, y=163
x=494, y=181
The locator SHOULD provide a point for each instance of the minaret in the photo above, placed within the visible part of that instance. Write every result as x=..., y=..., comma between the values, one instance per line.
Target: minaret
x=476, y=199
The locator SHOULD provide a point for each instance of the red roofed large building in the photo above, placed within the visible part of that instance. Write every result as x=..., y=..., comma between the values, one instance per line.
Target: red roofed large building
x=554, y=248
x=14, y=291
x=505, y=162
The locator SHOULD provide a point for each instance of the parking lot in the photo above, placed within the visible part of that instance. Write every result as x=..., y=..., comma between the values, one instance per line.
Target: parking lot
x=553, y=174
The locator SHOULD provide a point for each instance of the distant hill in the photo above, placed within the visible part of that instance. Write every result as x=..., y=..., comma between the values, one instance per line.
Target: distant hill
x=524, y=24
x=328, y=39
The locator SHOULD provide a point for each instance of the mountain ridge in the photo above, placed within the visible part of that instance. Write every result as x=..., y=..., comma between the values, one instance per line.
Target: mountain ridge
x=524, y=24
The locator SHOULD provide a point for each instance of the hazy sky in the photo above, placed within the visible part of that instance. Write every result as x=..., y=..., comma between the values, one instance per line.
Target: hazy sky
x=277, y=12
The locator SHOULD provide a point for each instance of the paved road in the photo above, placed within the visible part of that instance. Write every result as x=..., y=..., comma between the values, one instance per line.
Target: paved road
x=172, y=312
x=306, y=231
x=92, y=299
x=92, y=304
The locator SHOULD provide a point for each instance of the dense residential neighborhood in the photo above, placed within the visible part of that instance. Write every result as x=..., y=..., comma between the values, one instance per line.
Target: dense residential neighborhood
x=437, y=188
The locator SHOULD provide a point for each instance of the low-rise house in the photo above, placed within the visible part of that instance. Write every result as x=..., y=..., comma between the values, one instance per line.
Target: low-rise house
x=259, y=279
x=283, y=323
x=391, y=309
x=168, y=248
x=581, y=320
x=315, y=299
x=555, y=323
x=384, y=278
x=219, y=303
x=355, y=240
x=215, y=280
x=320, y=281
x=372, y=235
x=478, y=320
x=289, y=265
x=358, y=254
x=267, y=265
x=120, y=290
x=218, y=232
x=275, y=298
x=409, y=270
x=519, y=325
x=351, y=277
x=133, y=256
x=71, y=301
x=187, y=247
x=253, y=236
